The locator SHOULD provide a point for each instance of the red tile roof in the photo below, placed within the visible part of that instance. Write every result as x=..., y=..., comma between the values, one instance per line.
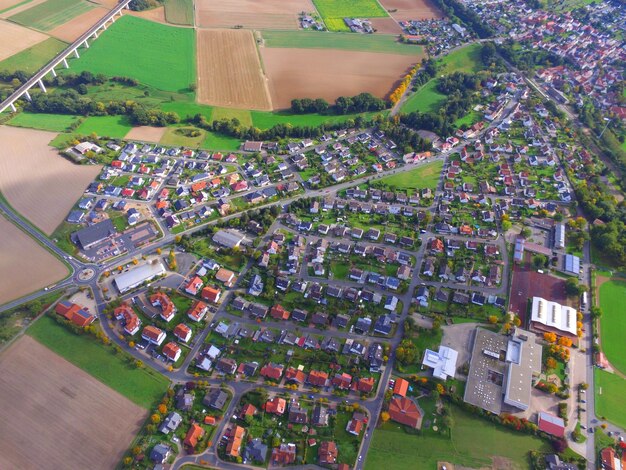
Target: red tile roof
x=195, y=432
x=404, y=410
x=400, y=387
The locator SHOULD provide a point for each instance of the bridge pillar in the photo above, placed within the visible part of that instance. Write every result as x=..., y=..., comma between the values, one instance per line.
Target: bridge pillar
x=65, y=64
x=76, y=53
x=13, y=108
x=27, y=95
x=95, y=35
x=42, y=86
x=86, y=44
x=53, y=72
x=120, y=13
x=113, y=19
x=104, y=26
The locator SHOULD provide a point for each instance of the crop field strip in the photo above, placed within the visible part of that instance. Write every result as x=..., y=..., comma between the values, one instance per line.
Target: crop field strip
x=250, y=14
x=15, y=38
x=50, y=14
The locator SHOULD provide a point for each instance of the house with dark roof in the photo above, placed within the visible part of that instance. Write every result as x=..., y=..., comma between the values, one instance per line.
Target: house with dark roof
x=255, y=451
x=215, y=399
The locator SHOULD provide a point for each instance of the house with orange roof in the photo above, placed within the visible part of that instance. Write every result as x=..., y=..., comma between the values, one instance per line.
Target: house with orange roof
x=162, y=300
x=194, y=286
x=365, y=385
x=232, y=178
x=285, y=454
x=295, y=375
x=233, y=446
x=132, y=323
x=194, y=433
x=74, y=313
x=400, y=387
x=465, y=230
x=327, y=453
x=225, y=276
x=210, y=420
x=199, y=186
x=342, y=381
x=197, y=311
x=272, y=371
x=153, y=335
x=278, y=312
x=183, y=332
x=248, y=410
x=276, y=406
x=172, y=351
x=405, y=411
x=317, y=378
x=354, y=426
x=211, y=294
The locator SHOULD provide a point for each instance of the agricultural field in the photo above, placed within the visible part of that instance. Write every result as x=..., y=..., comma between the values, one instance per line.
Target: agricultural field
x=25, y=266
x=345, y=41
x=51, y=13
x=610, y=392
x=71, y=30
x=119, y=52
x=187, y=109
x=405, y=10
x=328, y=74
x=394, y=449
x=7, y=5
x=213, y=141
x=154, y=14
x=181, y=136
x=179, y=12
x=229, y=70
x=425, y=176
x=613, y=323
x=243, y=115
x=44, y=122
x=146, y=133
x=426, y=99
x=109, y=126
x=36, y=181
x=15, y=38
x=32, y=59
x=141, y=386
x=250, y=14
x=96, y=423
x=334, y=11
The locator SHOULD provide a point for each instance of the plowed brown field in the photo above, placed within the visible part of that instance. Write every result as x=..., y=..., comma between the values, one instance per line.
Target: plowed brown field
x=36, y=180
x=57, y=416
x=411, y=9
x=229, y=70
x=15, y=38
x=330, y=73
x=146, y=133
x=71, y=30
x=386, y=26
x=251, y=14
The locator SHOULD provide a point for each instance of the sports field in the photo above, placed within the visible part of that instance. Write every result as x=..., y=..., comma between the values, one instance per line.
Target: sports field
x=394, y=449
x=610, y=393
x=44, y=122
x=51, y=13
x=613, y=323
x=347, y=41
x=179, y=12
x=425, y=100
x=142, y=386
x=32, y=59
x=144, y=50
x=424, y=176
x=107, y=126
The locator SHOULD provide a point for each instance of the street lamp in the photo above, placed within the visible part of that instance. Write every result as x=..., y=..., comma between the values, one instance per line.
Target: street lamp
x=608, y=121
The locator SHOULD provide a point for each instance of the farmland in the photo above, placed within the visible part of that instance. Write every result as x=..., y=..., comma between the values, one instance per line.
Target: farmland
x=610, y=391
x=425, y=176
x=25, y=266
x=44, y=122
x=36, y=181
x=141, y=386
x=345, y=41
x=119, y=52
x=146, y=133
x=109, y=126
x=71, y=30
x=32, y=59
x=179, y=12
x=229, y=70
x=15, y=38
x=51, y=13
x=213, y=141
x=613, y=323
x=69, y=403
x=392, y=448
x=250, y=14
x=243, y=115
x=406, y=10
x=334, y=11
x=328, y=74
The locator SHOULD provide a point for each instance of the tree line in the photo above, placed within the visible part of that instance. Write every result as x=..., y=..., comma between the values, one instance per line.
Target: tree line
x=361, y=103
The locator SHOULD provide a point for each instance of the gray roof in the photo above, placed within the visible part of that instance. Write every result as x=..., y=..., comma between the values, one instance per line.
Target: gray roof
x=88, y=236
x=228, y=238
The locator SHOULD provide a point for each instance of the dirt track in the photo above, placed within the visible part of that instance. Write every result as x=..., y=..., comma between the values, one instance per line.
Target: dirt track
x=328, y=73
x=411, y=9
x=71, y=30
x=56, y=416
x=15, y=38
x=24, y=265
x=251, y=14
x=36, y=180
x=229, y=70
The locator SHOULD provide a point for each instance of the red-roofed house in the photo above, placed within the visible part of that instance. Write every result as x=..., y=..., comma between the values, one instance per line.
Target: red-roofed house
x=182, y=332
x=132, y=323
x=327, y=453
x=405, y=411
x=211, y=294
x=276, y=406
x=366, y=385
x=153, y=335
x=355, y=426
x=248, y=410
x=278, y=312
x=74, y=313
x=194, y=433
x=317, y=378
x=551, y=424
x=194, y=286
x=233, y=446
x=168, y=309
x=272, y=371
x=172, y=351
x=197, y=311
x=400, y=387
x=342, y=381
x=609, y=460
x=295, y=375
x=285, y=454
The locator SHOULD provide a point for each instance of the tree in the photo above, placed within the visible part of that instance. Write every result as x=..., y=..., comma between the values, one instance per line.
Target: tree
x=384, y=416
x=493, y=319
x=162, y=409
x=526, y=233
x=572, y=288
x=564, y=341
x=155, y=418
x=551, y=363
x=559, y=445
x=549, y=337
x=539, y=261
x=506, y=225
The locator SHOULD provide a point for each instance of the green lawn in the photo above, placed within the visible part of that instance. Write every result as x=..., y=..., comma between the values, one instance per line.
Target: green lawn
x=613, y=323
x=334, y=11
x=469, y=119
x=142, y=386
x=267, y=119
x=51, y=13
x=188, y=109
x=32, y=59
x=109, y=126
x=213, y=141
x=467, y=59
x=425, y=176
x=46, y=122
x=155, y=54
x=474, y=441
x=179, y=12
x=610, y=393
x=229, y=113
x=426, y=99
x=174, y=137
x=386, y=43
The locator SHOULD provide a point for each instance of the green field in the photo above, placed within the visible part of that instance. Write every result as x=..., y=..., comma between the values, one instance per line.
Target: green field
x=425, y=176
x=214, y=141
x=51, y=13
x=229, y=113
x=334, y=11
x=425, y=100
x=142, y=386
x=613, y=323
x=267, y=119
x=155, y=54
x=348, y=41
x=24, y=2
x=45, y=122
x=469, y=119
x=187, y=109
x=466, y=59
x=393, y=449
x=174, y=137
x=610, y=403
x=179, y=12
x=32, y=59
x=109, y=126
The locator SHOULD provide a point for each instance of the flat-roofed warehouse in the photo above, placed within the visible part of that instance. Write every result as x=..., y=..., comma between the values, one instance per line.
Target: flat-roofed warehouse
x=137, y=276
x=502, y=370
x=229, y=238
x=94, y=234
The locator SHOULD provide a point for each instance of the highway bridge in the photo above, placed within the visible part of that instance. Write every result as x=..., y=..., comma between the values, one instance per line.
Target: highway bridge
x=61, y=58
